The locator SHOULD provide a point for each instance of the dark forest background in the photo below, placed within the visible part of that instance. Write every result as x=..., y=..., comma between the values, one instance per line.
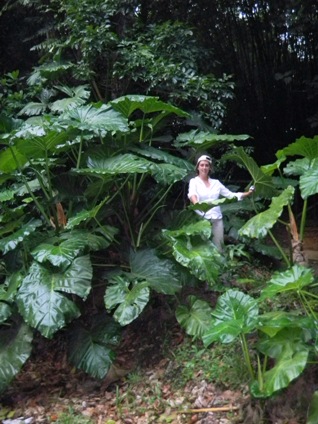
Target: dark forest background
x=268, y=51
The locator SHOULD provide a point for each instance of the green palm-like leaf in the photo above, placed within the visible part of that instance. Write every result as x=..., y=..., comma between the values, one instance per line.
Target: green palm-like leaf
x=128, y=104
x=129, y=299
x=15, y=349
x=205, y=140
x=5, y=312
x=262, y=182
x=41, y=299
x=85, y=215
x=77, y=97
x=93, y=241
x=96, y=120
x=289, y=366
x=160, y=274
x=92, y=347
x=235, y=313
x=292, y=280
x=196, y=318
x=162, y=156
x=258, y=226
x=11, y=242
x=123, y=164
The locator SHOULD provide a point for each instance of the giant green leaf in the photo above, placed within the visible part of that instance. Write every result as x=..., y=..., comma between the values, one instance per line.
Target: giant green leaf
x=121, y=164
x=147, y=104
x=293, y=337
x=127, y=298
x=42, y=299
x=205, y=140
x=91, y=347
x=200, y=257
x=161, y=274
x=288, y=367
x=258, y=226
x=263, y=182
x=15, y=349
x=195, y=317
x=11, y=242
x=303, y=146
x=235, y=313
x=96, y=120
x=291, y=280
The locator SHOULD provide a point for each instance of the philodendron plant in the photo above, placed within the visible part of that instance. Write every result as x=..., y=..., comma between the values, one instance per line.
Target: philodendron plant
x=273, y=183
x=276, y=345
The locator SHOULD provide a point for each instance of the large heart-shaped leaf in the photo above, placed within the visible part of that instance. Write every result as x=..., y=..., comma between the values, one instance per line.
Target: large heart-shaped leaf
x=235, y=313
x=15, y=349
x=293, y=338
x=201, y=258
x=129, y=298
x=292, y=280
x=41, y=298
x=91, y=347
x=259, y=225
x=289, y=366
x=194, y=318
x=160, y=274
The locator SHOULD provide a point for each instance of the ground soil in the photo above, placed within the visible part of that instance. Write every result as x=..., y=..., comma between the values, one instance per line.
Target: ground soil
x=140, y=388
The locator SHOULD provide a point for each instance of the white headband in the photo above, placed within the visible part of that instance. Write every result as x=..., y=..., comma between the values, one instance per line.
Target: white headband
x=204, y=157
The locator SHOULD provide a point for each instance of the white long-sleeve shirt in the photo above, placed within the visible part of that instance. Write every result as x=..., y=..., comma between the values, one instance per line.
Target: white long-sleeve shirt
x=204, y=193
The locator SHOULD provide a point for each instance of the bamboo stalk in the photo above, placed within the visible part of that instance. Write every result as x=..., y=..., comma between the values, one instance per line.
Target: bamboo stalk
x=216, y=409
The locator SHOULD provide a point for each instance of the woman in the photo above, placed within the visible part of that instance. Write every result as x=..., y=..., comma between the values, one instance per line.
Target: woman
x=202, y=188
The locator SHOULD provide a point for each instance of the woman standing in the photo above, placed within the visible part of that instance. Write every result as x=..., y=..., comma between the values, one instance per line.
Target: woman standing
x=202, y=188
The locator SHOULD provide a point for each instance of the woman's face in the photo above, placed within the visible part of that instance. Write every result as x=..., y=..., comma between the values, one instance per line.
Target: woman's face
x=204, y=168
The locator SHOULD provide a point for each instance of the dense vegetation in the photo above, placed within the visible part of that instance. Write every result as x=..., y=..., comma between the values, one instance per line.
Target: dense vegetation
x=98, y=143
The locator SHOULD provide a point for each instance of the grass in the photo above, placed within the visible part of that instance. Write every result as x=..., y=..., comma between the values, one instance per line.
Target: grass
x=220, y=364
x=71, y=417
